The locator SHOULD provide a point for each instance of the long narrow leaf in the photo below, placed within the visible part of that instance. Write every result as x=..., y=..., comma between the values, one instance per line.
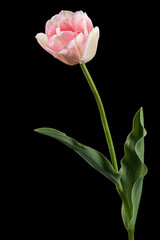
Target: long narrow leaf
x=96, y=159
x=133, y=171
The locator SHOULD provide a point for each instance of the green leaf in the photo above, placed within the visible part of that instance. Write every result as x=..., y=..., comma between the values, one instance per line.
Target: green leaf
x=133, y=171
x=96, y=159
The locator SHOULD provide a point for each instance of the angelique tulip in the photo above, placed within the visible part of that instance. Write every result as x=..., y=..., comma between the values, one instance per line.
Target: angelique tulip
x=70, y=37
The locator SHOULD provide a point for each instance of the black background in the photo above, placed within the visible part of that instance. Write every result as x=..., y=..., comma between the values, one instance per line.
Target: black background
x=54, y=191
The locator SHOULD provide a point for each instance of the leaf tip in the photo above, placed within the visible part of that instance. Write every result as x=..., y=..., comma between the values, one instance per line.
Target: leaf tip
x=36, y=130
x=141, y=116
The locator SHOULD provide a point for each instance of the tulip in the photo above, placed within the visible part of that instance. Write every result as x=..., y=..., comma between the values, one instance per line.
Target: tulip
x=70, y=37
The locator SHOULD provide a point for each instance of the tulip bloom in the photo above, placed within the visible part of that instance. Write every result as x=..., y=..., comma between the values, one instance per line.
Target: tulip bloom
x=70, y=37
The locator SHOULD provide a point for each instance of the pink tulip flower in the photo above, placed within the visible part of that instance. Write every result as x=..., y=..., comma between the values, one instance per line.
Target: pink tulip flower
x=70, y=37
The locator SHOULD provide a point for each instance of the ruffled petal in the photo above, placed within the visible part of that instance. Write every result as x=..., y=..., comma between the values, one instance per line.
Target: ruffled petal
x=55, y=18
x=88, y=23
x=43, y=41
x=58, y=42
x=66, y=13
x=73, y=50
x=79, y=41
x=78, y=21
x=51, y=31
x=48, y=26
x=63, y=16
x=82, y=23
x=65, y=27
x=70, y=56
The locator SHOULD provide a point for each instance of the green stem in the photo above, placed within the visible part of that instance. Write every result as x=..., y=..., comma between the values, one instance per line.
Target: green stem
x=131, y=235
x=103, y=116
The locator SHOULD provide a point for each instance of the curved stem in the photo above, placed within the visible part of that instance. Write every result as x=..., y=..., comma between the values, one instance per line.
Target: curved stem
x=102, y=115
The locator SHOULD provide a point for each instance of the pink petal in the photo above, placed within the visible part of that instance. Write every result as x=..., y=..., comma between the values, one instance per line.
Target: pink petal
x=67, y=36
x=88, y=23
x=51, y=31
x=48, y=26
x=55, y=43
x=79, y=41
x=82, y=23
x=63, y=16
x=43, y=41
x=78, y=21
x=69, y=56
x=58, y=42
x=65, y=27
x=54, y=18
x=73, y=50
